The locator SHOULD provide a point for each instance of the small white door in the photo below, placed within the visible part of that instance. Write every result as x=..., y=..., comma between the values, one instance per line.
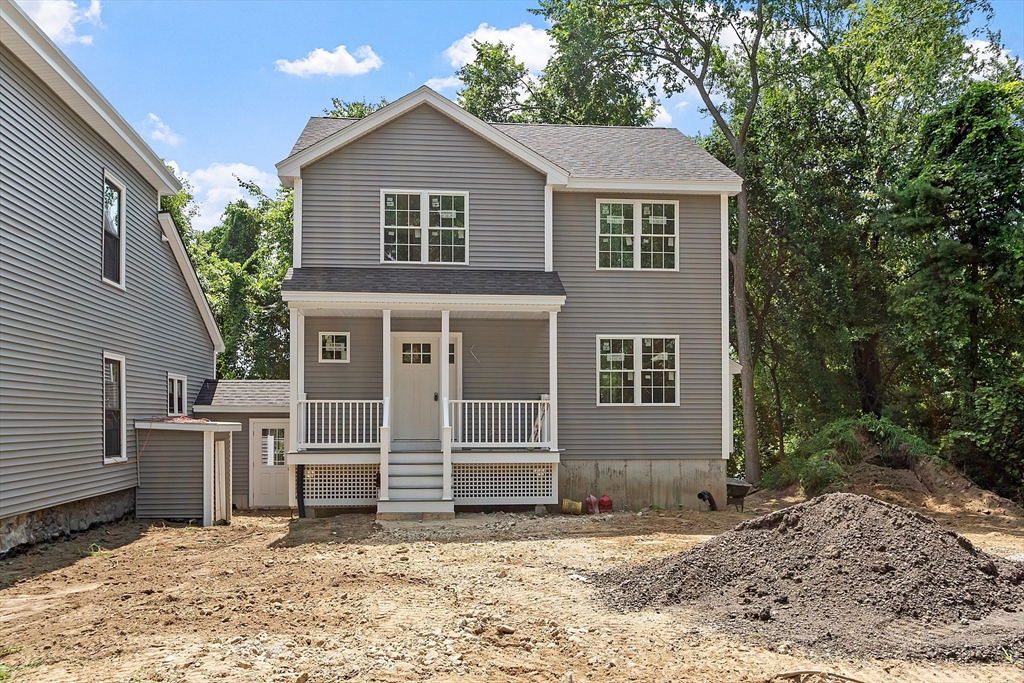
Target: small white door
x=268, y=473
x=415, y=398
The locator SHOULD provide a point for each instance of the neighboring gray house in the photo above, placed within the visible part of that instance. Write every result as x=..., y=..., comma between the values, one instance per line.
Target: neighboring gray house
x=503, y=314
x=103, y=323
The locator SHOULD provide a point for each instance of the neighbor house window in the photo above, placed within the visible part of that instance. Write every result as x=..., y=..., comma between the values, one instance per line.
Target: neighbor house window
x=439, y=237
x=637, y=370
x=637, y=235
x=334, y=347
x=114, y=428
x=177, y=390
x=113, y=231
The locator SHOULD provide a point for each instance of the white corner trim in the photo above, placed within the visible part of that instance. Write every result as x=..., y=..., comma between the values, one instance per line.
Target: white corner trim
x=291, y=168
x=297, y=225
x=549, y=229
x=649, y=185
x=191, y=279
x=27, y=41
x=727, y=363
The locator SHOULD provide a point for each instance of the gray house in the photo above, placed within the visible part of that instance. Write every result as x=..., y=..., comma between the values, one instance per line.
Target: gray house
x=502, y=314
x=105, y=331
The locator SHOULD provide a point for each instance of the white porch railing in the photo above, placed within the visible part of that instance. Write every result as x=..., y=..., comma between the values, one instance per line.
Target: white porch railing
x=340, y=424
x=500, y=424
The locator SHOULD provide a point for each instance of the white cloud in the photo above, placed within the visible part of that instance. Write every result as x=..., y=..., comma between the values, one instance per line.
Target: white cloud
x=661, y=116
x=160, y=131
x=217, y=185
x=443, y=83
x=989, y=58
x=60, y=19
x=320, y=62
x=531, y=46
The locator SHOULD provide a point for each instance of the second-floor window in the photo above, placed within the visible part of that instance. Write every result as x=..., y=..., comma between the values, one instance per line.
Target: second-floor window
x=637, y=235
x=424, y=227
x=113, y=231
x=177, y=391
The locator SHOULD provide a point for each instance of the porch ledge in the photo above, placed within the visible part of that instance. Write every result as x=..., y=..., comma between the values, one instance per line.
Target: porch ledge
x=333, y=458
x=473, y=457
x=195, y=426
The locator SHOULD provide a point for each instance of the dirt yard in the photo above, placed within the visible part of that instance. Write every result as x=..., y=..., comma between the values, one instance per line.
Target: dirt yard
x=497, y=597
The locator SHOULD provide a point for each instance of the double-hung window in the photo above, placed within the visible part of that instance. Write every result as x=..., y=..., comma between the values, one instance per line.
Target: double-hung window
x=637, y=370
x=113, y=230
x=177, y=394
x=334, y=347
x=115, y=434
x=637, y=235
x=409, y=236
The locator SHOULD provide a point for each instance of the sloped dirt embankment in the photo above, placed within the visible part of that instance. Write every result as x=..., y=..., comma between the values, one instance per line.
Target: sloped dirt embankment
x=842, y=574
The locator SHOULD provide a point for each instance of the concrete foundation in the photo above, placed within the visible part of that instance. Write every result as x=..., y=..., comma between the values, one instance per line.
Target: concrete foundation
x=62, y=520
x=636, y=484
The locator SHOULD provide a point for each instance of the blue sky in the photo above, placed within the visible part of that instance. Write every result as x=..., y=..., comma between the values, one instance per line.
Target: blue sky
x=225, y=87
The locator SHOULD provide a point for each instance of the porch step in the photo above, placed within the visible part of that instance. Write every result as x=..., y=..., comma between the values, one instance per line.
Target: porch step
x=420, y=494
x=416, y=446
x=396, y=471
x=413, y=509
x=415, y=482
x=415, y=458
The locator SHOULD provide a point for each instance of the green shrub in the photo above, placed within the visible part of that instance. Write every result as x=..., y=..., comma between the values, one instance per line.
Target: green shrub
x=821, y=471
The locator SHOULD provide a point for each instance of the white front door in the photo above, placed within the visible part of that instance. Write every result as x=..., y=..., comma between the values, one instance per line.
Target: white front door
x=268, y=473
x=415, y=399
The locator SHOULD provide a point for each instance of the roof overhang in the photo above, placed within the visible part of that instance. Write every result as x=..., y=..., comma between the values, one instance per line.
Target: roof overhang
x=291, y=168
x=227, y=410
x=422, y=302
x=188, y=426
x=191, y=279
x=648, y=186
x=27, y=41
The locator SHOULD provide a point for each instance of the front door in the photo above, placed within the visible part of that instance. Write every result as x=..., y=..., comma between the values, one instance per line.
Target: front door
x=415, y=387
x=268, y=473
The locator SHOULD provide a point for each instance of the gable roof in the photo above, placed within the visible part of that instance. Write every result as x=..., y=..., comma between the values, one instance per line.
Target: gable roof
x=339, y=136
x=591, y=157
x=231, y=395
x=195, y=288
x=30, y=45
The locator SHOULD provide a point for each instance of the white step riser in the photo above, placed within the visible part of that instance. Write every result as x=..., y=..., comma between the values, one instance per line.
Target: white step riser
x=414, y=494
x=416, y=506
x=415, y=459
x=415, y=482
x=395, y=471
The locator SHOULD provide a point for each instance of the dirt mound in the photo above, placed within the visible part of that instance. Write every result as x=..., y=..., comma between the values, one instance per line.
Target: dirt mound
x=843, y=574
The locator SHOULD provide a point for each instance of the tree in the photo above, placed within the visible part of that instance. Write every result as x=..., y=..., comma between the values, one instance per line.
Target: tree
x=355, y=109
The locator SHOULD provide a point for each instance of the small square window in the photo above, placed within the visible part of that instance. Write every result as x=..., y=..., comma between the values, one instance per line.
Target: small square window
x=416, y=354
x=334, y=347
x=177, y=392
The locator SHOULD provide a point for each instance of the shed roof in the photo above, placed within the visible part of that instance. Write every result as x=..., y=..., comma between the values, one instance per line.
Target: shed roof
x=475, y=281
x=243, y=393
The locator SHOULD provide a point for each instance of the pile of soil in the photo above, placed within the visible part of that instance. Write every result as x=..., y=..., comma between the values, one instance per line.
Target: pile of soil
x=842, y=574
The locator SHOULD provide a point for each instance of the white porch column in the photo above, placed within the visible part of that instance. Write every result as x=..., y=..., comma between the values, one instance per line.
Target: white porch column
x=207, y=478
x=553, y=378
x=293, y=373
x=446, y=430
x=385, y=430
x=443, y=355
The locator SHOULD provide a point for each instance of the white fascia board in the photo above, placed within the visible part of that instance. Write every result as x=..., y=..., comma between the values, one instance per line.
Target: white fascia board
x=191, y=279
x=734, y=367
x=432, y=301
x=188, y=426
x=216, y=410
x=291, y=168
x=52, y=66
x=729, y=187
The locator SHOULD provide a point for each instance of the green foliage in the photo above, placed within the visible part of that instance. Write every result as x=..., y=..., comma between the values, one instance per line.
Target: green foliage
x=354, y=109
x=496, y=86
x=821, y=471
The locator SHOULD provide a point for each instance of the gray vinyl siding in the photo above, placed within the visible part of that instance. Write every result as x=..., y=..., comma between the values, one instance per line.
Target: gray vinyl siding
x=501, y=359
x=685, y=303
x=56, y=315
x=240, y=447
x=171, y=476
x=422, y=150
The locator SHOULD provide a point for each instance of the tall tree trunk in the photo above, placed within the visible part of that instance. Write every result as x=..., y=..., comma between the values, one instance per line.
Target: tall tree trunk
x=868, y=369
x=751, y=458
x=780, y=427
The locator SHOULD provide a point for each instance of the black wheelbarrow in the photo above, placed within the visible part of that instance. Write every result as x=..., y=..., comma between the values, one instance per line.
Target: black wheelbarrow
x=736, y=490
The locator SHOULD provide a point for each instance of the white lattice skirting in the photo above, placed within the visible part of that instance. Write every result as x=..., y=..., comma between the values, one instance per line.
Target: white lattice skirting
x=504, y=483
x=341, y=485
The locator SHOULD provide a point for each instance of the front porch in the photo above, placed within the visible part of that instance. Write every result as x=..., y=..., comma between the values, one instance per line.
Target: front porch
x=440, y=432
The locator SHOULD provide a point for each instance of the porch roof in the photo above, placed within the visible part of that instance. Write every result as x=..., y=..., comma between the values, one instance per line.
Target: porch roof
x=313, y=282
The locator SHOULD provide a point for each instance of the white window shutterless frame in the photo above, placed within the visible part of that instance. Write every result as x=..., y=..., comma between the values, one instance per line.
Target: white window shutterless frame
x=640, y=370
x=429, y=227
x=637, y=234
x=177, y=394
x=115, y=428
x=114, y=203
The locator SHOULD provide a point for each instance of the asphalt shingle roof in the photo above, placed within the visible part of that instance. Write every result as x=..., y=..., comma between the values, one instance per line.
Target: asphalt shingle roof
x=424, y=281
x=244, y=392
x=588, y=151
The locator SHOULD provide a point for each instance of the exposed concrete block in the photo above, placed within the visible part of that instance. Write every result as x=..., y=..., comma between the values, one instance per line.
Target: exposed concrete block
x=636, y=484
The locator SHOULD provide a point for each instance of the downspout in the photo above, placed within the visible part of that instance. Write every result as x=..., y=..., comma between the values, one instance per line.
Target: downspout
x=300, y=489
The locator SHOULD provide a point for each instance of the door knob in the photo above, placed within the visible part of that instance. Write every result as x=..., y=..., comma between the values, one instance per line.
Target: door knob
x=435, y=395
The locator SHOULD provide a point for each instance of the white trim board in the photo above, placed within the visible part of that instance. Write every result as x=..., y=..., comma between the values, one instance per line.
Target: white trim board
x=28, y=42
x=426, y=301
x=191, y=279
x=169, y=426
x=291, y=168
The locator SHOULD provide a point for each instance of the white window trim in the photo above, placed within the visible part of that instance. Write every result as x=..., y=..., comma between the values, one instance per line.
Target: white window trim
x=124, y=410
x=637, y=369
x=348, y=347
x=184, y=390
x=108, y=177
x=424, y=220
x=637, y=233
